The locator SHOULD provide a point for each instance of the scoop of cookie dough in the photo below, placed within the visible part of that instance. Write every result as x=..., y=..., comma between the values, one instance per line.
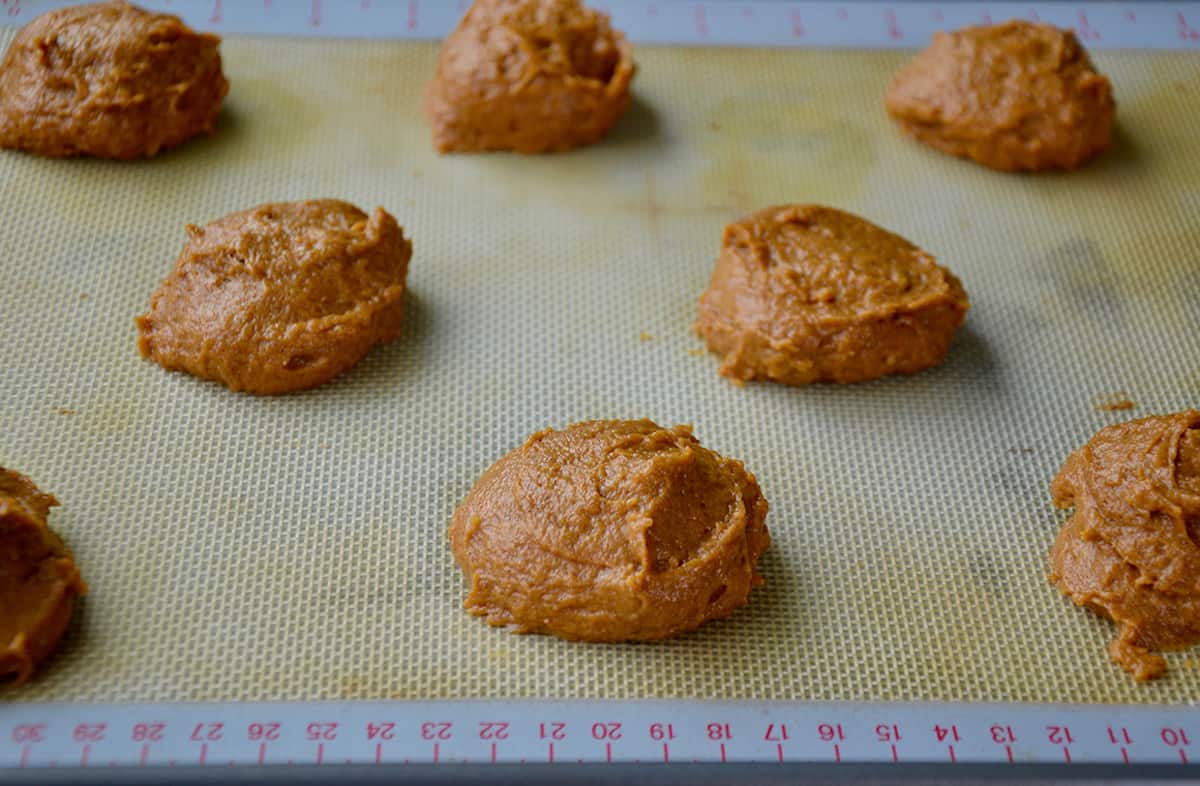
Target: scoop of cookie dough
x=280, y=298
x=108, y=80
x=610, y=531
x=803, y=293
x=1131, y=549
x=528, y=75
x=1014, y=96
x=38, y=578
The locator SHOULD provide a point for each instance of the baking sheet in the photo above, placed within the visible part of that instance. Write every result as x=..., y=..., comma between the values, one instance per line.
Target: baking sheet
x=244, y=548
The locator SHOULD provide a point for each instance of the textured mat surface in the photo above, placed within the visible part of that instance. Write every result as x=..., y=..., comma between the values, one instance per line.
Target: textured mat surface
x=294, y=548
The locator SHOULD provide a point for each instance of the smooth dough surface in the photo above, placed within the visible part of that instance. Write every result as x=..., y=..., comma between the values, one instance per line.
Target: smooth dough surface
x=108, y=80
x=38, y=578
x=531, y=76
x=1014, y=96
x=804, y=293
x=610, y=531
x=1131, y=549
x=281, y=297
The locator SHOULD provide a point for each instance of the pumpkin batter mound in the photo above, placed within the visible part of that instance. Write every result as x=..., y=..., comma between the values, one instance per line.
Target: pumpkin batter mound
x=1014, y=96
x=280, y=298
x=610, y=531
x=1131, y=550
x=108, y=80
x=531, y=76
x=38, y=578
x=803, y=293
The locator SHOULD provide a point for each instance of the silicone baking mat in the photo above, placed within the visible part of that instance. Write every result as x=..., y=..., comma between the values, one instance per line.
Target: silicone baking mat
x=294, y=548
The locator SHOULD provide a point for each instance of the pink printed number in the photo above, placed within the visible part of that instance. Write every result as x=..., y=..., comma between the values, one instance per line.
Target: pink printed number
x=893, y=25
x=798, y=30
x=1186, y=31
x=1085, y=29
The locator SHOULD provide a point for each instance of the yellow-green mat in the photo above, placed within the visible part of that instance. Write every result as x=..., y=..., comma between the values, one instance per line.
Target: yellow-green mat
x=244, y=548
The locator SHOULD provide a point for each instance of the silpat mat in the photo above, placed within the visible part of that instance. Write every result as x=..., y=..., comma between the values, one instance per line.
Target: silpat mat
x=243, y=548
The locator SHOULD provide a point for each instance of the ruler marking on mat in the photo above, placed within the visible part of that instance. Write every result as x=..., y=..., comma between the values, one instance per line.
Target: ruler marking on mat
x=483, y=732
x=388, y=733
x=903, y=25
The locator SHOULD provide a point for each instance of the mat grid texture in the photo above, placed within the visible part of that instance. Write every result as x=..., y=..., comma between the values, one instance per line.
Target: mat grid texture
x=243, y=548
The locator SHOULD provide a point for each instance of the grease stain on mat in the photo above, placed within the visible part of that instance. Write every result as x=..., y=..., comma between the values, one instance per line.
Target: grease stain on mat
x=771, y=152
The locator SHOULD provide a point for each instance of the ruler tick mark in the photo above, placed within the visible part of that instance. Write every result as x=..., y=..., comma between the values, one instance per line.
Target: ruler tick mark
x=837, y=753
x=145, y=755
x=779, y=752
x=953, y=758
x=1008, y=751
x=1066, y=754
x=895, y=756
x=1124, y=755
